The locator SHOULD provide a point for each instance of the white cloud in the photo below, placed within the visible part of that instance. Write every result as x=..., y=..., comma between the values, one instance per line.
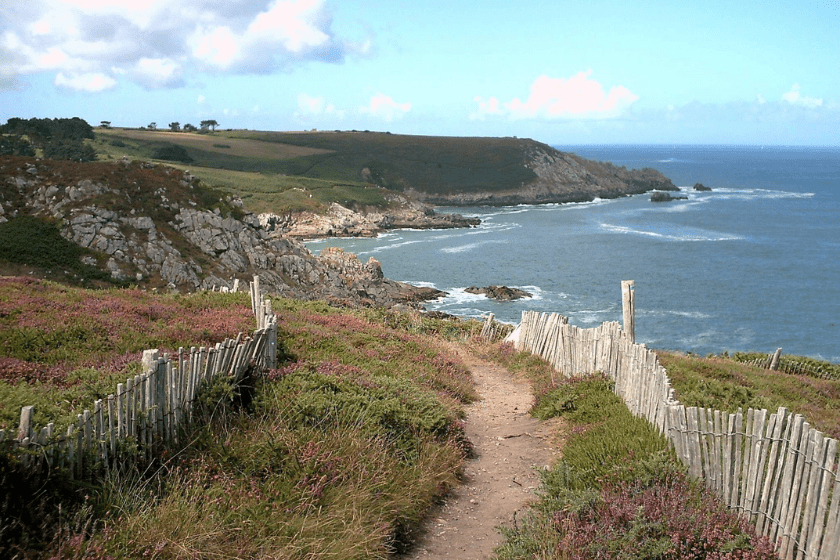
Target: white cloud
x=578, y=97
x=794, y=97
x=85, y=82
x=158, y=43
x=316, y=106
x=383, y=107
x=157, y=72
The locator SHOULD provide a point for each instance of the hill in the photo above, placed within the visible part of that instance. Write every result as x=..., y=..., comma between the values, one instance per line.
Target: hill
x=435, y=170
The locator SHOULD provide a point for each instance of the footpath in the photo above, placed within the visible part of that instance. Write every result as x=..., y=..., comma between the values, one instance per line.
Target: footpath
x=502, y=477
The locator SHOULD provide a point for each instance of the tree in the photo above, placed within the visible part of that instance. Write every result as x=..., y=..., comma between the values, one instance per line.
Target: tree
x=105, y=124
x=14, y=145
x=209, y=123
x=71, y=149
x=152, y=126
x=189, y=128
x=175, y=126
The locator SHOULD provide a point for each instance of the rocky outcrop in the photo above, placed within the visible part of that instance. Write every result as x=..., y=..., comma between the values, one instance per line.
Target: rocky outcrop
x=344, y=222
x=148, y=225
x=500, y=293
x=561, y=177
x=701, y=187
x=665, y=197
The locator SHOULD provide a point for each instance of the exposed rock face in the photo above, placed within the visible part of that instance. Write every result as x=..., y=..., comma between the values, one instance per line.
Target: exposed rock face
x=701, y=187
x=501, y=293
x=563, y=177
x=343, y=222
x=149, y=227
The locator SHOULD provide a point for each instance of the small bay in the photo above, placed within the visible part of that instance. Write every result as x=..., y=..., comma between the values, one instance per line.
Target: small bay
x=752, y=265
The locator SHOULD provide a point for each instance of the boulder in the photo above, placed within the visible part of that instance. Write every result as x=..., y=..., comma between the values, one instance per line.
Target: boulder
x=701, y=187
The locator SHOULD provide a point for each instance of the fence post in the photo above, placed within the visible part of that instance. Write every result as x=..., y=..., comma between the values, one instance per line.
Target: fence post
x=774, y=362
x=628, y=306
x=25, y=428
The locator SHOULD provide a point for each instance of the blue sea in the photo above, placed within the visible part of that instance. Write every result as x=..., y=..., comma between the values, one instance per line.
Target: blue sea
x=752, y=265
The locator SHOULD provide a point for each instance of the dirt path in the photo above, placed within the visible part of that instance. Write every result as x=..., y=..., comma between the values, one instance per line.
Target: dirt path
x=501, y=479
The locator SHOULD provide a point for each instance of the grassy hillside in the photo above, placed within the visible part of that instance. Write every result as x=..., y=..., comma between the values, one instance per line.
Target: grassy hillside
x=341, y=451
x=279, y=162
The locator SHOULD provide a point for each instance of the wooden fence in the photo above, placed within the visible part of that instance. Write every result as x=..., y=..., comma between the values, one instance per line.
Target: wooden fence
x=148, y=410
x=774, y=469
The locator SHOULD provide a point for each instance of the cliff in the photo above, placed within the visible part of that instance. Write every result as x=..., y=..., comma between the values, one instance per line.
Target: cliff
x=559, y=177
x=159, y=227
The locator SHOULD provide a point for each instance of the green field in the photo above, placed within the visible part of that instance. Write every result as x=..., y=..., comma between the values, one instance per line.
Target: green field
x=270, y=170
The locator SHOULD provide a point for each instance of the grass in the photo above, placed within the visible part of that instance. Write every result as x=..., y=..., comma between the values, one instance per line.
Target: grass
x=725, y=384
x=436, y=165
x=618, y=491
x=342, y=450
x=62, y=348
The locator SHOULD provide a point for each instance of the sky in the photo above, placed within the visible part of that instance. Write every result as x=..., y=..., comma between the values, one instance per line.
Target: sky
x=564, y=73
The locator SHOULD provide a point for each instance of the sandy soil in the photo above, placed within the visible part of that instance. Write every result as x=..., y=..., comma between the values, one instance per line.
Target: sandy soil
x=501, y=479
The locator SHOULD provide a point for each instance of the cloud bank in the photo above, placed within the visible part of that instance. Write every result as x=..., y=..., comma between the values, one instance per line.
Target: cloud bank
x=578, y=97
x=92, y=45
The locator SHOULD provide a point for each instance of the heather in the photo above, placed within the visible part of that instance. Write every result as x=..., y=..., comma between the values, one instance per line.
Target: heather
x=338, y=452
x=618, y=491
x=62, y=348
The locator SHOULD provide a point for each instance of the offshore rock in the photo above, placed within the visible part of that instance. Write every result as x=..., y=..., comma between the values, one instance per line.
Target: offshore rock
x=500, y=293
x=665, y=197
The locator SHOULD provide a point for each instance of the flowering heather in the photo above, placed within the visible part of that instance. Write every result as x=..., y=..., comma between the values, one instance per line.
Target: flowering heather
x=62, y=348
x=670, y=520
x=374, y=348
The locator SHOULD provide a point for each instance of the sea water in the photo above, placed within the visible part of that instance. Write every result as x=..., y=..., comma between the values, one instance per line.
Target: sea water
x=752, y=265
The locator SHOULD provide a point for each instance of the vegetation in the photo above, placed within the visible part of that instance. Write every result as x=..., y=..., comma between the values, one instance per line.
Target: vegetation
x=36, y=242
x=172, y=152
x=341, y=451
x=725, y=384
x=57, y=138
x=618, y=492
x=391, y=161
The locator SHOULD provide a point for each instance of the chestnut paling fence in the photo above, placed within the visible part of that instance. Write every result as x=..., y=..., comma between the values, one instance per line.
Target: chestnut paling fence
x=774, y=469
x=148, y=411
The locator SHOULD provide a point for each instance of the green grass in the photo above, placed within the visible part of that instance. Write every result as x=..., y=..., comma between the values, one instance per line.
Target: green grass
x=725, y=384
x=435, y=165
x=618, y=491
x=340, y=453
x=36, y=242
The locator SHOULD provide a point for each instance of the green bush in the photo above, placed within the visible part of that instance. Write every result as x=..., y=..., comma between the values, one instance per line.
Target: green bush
x=172, y=152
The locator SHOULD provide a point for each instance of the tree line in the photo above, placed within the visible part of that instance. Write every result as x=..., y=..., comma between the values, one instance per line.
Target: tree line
x=58, y=138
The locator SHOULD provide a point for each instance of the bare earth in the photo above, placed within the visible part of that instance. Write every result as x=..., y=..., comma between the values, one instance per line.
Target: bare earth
x=501, y=479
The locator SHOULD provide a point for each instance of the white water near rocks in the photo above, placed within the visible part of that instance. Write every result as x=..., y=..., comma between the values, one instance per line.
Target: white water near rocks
x=752, y=265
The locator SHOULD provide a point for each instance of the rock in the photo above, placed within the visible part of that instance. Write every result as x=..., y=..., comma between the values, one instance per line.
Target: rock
x=500, y=293
x=665, y=197
x=701, y=187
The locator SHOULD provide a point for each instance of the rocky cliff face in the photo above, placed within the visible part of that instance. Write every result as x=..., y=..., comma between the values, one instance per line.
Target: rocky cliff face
x=343, y=222
x=562, y=177
x=158, y=227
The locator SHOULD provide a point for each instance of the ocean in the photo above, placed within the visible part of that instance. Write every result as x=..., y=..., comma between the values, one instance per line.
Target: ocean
x=752, y=265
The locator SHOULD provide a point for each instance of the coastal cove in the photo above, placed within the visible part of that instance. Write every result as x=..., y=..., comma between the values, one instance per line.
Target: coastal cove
x=752, y=265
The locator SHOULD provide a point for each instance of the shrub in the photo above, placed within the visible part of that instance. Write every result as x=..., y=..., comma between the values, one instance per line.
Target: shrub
x=172, y=152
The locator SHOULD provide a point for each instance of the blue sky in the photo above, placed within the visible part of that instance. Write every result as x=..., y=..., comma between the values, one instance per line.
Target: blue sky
x=643, y=72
